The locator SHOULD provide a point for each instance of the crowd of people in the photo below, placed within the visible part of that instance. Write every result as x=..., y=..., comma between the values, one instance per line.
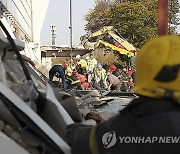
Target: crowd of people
x=87, y=73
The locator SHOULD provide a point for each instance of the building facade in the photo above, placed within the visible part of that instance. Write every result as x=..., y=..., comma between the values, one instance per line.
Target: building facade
x=25, y=18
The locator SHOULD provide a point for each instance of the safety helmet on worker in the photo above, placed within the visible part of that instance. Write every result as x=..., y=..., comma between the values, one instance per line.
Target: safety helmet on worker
x=78, y=56
x=158, y=68
x=112, y=67
x=99, y=66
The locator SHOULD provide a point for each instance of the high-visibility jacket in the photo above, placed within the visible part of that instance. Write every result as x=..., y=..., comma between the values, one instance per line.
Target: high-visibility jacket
x=91, y=65
x=68, y=71
x=82, y=63
x=100, y=74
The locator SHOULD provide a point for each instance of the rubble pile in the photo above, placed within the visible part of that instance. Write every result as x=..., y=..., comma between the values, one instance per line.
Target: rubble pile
x=84, y=106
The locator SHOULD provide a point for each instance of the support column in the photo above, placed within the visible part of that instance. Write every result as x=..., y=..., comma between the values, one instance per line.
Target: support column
x=162, y=17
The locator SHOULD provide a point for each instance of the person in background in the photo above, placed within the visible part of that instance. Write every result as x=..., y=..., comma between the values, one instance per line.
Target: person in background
x=114, y=82
x=133, y=76
x=82, y=79
x=73, y=82
x=100, y=77
x=92, y=63
x=72, y=64
x=116, y=72
x=112, y=68
x=129, y=71
x=150, y=123
x=105, y=65
x=124, y=77
x=81, y=64
x=59, y=72
x=84, y=63
x=68, y=70
x=78, y=58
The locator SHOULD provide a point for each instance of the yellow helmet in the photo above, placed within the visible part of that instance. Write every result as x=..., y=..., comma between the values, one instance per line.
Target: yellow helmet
x=158, y=68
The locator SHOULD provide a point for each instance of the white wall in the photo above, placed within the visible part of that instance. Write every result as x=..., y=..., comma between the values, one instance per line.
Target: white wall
x=29, y=16
x=39, y=8
x=21, y=11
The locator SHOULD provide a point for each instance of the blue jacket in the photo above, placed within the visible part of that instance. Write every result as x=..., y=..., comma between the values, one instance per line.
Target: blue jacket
x=58, y=70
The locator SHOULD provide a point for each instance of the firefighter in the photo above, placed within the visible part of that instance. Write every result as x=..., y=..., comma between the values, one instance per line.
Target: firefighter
x=73, y=82
x=82, y=79
x=154, y=115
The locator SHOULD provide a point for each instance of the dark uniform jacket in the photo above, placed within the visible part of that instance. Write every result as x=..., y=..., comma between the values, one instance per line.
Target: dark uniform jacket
x=145, y=126
x=58, y=69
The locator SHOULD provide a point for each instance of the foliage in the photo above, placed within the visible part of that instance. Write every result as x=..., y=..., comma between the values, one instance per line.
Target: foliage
x=173, y=16
x=134, y=20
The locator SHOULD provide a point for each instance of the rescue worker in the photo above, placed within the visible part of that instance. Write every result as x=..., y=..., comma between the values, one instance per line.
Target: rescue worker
x=105, y=65
x=115, y=71
x=84, y=63
x=78, y=57
x=124, y=77
x=82, y=79
x=100, y=77
x=68, y=70
x=72, y=64
x=92, y=63
x=114, y=82
x=58, y=71
x=150, y=123
x=112, y=68
x=73, y=82
x=81, y=64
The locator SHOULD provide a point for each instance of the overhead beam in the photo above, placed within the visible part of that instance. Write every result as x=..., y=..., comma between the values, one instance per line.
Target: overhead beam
x=64, y=53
